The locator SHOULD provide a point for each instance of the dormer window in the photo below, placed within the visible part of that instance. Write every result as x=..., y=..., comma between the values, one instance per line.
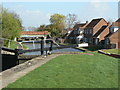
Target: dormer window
x=113, y=29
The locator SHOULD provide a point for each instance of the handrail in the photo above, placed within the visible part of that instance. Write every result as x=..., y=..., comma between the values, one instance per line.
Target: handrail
x=8, y=49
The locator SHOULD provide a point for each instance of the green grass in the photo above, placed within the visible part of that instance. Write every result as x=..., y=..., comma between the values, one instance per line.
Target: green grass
x=73, y=71
x=14, y=45
x=114, y=51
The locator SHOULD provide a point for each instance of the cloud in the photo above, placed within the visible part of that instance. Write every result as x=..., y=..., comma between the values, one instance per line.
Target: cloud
x=59, y=0
x=35, y=18
x=30, y=18
x=100, y=6
x=97, y=9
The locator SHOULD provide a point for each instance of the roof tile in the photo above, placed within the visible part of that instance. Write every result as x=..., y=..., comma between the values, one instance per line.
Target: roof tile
x=35, y=33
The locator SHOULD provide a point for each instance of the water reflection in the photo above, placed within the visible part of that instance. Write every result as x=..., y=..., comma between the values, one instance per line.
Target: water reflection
x=38, y=45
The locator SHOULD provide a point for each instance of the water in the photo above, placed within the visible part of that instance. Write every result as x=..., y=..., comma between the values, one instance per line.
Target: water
x=66, y=50
x=38, y=45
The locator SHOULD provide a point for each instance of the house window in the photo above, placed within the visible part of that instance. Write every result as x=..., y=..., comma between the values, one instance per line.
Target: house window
x=96, y=41
x=84, y=31
x=74, y=31
x=112, y=29
x=90, y=40
x=87, y=31
x=107, y=41
x=90, y=31
x=86, y=40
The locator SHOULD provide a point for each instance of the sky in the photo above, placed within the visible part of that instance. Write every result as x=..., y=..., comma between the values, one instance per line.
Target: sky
x=34, y=14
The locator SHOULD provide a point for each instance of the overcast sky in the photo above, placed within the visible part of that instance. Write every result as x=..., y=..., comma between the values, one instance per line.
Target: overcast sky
x=35, y=14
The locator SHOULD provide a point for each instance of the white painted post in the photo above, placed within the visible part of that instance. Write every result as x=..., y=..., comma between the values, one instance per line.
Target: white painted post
x=9, y=44
x=44, y=42
x=33, y=44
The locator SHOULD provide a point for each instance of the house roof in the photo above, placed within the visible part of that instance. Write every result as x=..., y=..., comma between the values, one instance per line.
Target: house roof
x=108, y=35
x=93, y=23
x=99, y=31
x=72, y=33
x=116, y=23
x=35, y=33
x=118, y=20
x=118, y=31
x=81, y=25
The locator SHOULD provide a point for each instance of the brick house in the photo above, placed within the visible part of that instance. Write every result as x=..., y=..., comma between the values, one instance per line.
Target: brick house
x=95, y=31
x=115, y=26
x=76, y=35
x=112, y=40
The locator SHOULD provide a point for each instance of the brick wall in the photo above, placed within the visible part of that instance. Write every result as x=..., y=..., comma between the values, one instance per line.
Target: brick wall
x=118, y=44
x=104, y=33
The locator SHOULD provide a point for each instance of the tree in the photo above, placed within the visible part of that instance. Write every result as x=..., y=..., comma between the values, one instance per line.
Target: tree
x=71, y=20
x=31, y=28
x=0, y=21
x=58, y=23
x=41, y=28
x=11, y=24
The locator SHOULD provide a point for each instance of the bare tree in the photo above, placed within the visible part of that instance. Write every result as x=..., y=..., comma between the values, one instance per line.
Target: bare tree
x=71, y=20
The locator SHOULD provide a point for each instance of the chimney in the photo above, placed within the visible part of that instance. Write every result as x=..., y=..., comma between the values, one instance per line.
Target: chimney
x=86, y=21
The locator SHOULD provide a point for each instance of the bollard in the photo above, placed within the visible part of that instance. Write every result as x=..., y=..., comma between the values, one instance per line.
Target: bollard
x=16, y=56
x=42, y=46
x=51, y=45
x=46, y=52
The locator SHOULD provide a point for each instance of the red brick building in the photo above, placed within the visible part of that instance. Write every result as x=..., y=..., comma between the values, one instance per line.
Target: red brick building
x=95, y=31
x=112, y=40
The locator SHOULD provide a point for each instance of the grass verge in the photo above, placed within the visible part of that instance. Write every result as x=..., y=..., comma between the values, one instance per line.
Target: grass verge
x=15, y=45
x=73, y=71
x=113, y=51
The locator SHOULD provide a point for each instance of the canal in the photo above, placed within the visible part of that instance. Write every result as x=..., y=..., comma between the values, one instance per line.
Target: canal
x=10, y=60
x=38, y=45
